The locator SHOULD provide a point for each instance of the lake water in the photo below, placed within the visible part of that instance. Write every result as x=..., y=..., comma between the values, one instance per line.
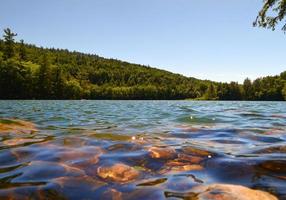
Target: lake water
x=139, y=149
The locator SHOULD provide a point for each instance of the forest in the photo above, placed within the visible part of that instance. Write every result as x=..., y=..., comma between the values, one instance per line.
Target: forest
x=31, y=72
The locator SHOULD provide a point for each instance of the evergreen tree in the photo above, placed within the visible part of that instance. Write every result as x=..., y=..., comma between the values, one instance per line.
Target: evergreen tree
x=247, y=89
x=22, y=51
x=284, y=91
x=44, y=78
x=41, y=73
x=283, y=75
x=9, y=41
x=211, y=93
x=58, y=82
x=272, y=13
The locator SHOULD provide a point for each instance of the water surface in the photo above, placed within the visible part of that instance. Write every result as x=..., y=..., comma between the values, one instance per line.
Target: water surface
x=66, y=157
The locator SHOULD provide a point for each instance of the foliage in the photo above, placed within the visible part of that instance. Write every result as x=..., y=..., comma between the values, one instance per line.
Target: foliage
x=284, y=91
x=30, y=72
x=9, y=43
x=211, y=93
x=272, y=12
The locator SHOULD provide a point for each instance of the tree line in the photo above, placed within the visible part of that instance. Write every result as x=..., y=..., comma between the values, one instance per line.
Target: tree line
x=30, y=72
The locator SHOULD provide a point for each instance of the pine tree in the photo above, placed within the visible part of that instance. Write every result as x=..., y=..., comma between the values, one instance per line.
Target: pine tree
x=247, y=89
x=22, y=51
x=211, y=93
x=44, y=78
x=9, y=41
x=284, y=91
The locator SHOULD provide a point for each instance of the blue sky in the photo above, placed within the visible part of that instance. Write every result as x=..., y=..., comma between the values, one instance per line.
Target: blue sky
x=207, y=39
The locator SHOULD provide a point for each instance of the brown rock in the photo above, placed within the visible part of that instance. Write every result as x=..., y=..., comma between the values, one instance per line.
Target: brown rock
x=230, y=192
x=89, y=152
x=175, y=163
x=112, y=194
x=162, y=153
x=276, y=166
x=196, y=152
x=176, y=166
x=153, y=182
x=191, y=159
x=71, y=169
x=76, y=182
x=273, y=149
x=118, y=172
x=183, y=168
x=188, y=128
x=19, y=141
x=16, y=126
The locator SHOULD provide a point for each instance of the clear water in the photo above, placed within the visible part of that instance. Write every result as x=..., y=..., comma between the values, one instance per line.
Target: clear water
x=245, y=141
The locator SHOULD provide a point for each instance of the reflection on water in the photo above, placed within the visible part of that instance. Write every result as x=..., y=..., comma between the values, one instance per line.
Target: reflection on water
x=142, y=150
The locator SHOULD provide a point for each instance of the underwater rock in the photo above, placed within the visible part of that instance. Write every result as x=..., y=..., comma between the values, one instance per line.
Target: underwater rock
x=19, y=193
x=230, y=192
x=17, y=126
x=43, y=171
x=112, y=194
x=180, y=167
x=73, y=142
x=152, y=193
x=162, y=153
x=274, y=131
x=278, y=116
x=183, y=168
x=77, y=182
x=189, y=128
x=177, y=166
x=275, y=166
x=196, y=152
x=110, y=136
x=74, y=154
x=273, y=149
x=82, y=187
x=191, y=159
x=20, y=141
x=153, y=182
x=123, y=147
x=118, y=172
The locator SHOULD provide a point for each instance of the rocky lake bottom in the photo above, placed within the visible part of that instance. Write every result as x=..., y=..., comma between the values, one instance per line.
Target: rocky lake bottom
x=142, y=150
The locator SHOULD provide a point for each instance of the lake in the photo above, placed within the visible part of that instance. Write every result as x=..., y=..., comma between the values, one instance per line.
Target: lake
x=139, y=149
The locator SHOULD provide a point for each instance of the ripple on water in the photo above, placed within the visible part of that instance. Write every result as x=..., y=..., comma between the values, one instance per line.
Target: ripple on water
x=139, y=149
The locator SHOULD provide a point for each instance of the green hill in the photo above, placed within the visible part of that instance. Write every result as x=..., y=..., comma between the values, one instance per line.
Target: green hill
x=30, y=72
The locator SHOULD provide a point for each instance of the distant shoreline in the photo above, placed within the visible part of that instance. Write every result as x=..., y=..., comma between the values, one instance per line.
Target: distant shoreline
x=31, y=72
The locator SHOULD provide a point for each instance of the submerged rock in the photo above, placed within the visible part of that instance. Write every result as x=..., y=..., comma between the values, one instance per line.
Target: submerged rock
x=162, y=153
x=91, y=153
x=150, y=193
x=153, y=182
x=273, y=149
x=191, y=159
x=78, y=182
x=275, y=166
x=189, y=128
x=16, y=126
x=110, y=136
x=118, y=172
x=82, y=187
x=43, y=171
x=187, y=167
x=174, y=167
x=20, y=141
x=274, y=132
x=196, y=151
x=112, y=193
x=123, y=147
x=230, y=192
